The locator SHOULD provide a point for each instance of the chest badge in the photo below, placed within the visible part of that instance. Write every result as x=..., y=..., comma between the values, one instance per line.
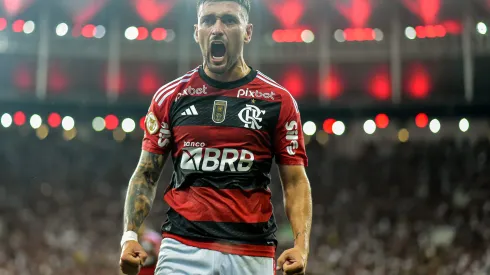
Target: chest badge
x=219, y=110
x=251, y=116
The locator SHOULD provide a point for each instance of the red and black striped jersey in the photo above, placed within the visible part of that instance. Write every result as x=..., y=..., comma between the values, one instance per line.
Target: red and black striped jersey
x=223, y=139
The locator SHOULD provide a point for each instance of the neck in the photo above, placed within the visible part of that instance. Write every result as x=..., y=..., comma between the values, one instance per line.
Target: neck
x=238, y=71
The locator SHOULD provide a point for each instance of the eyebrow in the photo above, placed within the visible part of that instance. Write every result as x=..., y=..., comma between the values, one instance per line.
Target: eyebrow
x=223, y=15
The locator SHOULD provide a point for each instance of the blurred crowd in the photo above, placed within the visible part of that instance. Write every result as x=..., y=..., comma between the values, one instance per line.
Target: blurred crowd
x=390, y=208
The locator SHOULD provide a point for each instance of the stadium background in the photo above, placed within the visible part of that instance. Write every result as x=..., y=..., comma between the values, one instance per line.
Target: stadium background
x=394, y=97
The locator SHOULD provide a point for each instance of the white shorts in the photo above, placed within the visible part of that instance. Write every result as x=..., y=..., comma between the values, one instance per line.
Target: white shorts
x=176, y=258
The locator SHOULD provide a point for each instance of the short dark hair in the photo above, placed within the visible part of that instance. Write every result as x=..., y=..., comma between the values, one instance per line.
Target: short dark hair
x=244, y=3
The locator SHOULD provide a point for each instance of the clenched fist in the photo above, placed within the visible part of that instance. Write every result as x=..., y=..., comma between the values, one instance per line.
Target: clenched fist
x=133, y=256
x=292, y=262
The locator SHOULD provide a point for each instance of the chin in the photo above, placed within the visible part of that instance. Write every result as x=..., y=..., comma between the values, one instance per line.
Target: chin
x=218, y=68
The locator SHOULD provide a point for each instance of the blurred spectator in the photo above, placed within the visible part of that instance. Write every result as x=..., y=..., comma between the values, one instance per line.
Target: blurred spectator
x=392, y=208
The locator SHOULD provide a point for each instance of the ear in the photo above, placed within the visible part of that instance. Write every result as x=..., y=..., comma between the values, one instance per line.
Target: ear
x=248, y=33
x=196, y=36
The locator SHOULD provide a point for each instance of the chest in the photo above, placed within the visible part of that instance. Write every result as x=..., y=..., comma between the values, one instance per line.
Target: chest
x=223, y=122
x=227, y=113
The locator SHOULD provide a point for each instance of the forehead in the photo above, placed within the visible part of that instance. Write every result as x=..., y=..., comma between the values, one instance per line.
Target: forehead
x=219, y=8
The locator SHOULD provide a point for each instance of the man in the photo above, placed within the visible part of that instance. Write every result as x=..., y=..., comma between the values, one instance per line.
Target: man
x=223, y=123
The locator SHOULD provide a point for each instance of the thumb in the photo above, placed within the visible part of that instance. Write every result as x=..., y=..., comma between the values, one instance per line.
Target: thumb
x=143, y=256
x=130, y=259
x=281, y=260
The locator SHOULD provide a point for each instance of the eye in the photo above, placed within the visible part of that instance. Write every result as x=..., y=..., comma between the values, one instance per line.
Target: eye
x=229, y=21
x=206, y=20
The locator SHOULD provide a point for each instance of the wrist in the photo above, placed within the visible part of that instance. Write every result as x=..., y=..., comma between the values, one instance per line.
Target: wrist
x=303, y=250
x=129, y=236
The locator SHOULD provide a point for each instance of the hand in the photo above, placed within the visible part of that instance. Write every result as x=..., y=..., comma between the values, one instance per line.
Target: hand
x=133, y=256
x=292, y=262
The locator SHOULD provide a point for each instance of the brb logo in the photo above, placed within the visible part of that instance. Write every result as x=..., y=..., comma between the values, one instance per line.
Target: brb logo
x=255, y=94
x=192, y=91
x=164, y=135
x=211, y=159
x=292, y=137
x=251, y=116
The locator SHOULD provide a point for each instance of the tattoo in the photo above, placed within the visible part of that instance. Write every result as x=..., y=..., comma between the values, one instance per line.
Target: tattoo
x=142, y=190
x=297, y=235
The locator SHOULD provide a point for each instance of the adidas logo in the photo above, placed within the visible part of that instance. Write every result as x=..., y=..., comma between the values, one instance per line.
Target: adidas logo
x=191, y=111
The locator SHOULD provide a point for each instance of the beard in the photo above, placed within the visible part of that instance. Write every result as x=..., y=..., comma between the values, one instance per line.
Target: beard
x=220, y=68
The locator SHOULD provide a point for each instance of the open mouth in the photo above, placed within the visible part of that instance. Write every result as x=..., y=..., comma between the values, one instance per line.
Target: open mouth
x=218, y=50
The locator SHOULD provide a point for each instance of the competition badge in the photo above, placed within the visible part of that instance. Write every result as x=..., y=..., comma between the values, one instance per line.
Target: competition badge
x=219, y=111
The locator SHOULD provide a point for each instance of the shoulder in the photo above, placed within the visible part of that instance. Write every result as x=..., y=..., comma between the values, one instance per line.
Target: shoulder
x=168, y=91
x=281, y=94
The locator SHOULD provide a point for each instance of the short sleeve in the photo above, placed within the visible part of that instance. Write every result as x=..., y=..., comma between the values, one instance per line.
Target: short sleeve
x=289, y=145
x=157, y=133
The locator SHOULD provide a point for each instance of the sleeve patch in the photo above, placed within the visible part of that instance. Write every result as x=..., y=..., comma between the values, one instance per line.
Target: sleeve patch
x=152, y=124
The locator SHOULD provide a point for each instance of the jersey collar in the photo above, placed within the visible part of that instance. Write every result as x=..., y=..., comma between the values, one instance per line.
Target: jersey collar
x=227, y=85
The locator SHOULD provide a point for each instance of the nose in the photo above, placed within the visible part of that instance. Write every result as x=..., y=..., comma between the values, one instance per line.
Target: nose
x=218, y=28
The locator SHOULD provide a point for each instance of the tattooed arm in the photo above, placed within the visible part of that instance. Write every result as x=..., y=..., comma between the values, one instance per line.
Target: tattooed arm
x=142, y=190
x=139, y=200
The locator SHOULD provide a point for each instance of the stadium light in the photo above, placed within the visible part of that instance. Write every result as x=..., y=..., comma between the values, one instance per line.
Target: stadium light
x=358, y=34
x=6, y=120
x=29, y=27
x=70, y=134
x=99, y=32
x=98, y=124
x=170, y=36
x=118, y=135
x=434, y=126
x=428, y=31
x=378, y=35
x=293, y=36
x=62, y=29
x=142, y=33
x=19, y=118
x=111, y=122
x=338, y=128
x=88, y=31
x=328, y=125
x=159, y=34
x=128, y=125
x=382, y=121
x=421, y=120
x=308, y=36
x=68, y=123
x=3, y=24
x=18, y=26
x=339, y=36
x=464, y=125
x=131, y=33
x=309, y=128
x=54, y=120
x=369, y=127
x=410, y=33
x=42, y=132
x=142, y=123
x=36, y=121
x=481, y=28
x=403, y=135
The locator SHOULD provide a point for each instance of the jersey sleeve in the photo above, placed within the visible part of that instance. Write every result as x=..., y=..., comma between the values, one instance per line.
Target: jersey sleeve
x=157, y=133
x=289, y=144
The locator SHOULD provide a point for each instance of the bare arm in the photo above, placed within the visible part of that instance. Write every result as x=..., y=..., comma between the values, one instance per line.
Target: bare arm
x=142, y=190
x=298, y=203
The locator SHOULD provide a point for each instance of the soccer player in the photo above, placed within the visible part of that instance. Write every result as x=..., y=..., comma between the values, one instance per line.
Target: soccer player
x=223, y=124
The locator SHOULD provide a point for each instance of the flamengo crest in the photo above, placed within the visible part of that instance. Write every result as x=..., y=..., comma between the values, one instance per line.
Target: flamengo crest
x=251, y=116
